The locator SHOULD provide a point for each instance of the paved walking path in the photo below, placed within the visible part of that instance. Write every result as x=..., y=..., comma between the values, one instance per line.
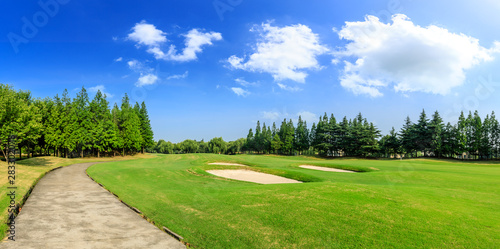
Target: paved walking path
x=68, y=210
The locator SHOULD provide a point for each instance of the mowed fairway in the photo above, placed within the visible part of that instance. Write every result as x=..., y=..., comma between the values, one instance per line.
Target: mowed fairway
x=405, y=204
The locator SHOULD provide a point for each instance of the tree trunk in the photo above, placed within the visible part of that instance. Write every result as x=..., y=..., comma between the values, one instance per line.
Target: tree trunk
x=98, y=154
x=123, y=154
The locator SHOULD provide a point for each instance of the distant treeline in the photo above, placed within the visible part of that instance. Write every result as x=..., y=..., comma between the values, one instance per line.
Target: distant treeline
x=71, y=127
x=471, y=138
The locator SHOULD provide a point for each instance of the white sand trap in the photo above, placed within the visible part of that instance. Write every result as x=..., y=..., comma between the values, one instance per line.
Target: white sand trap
x=233, y=164
x=250, y=176
x=326, y=169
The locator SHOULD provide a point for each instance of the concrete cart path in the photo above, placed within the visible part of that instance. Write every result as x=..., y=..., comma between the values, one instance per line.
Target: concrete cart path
x=68, y=210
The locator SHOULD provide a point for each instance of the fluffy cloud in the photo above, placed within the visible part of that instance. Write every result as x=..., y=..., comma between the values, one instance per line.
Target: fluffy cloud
x=148, y=35
x=194, y=41
x=240, y=91
x=101, y=88
x=147, y=79
x=406, y=56
x=282, y=52
x=118, y=59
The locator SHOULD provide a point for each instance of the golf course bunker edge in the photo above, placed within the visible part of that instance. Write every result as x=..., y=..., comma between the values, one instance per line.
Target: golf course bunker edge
x=251, y=176
x=227, y=164
x=326, y=169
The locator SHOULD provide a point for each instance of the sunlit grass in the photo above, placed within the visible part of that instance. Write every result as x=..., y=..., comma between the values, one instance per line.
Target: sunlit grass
x=405, y=204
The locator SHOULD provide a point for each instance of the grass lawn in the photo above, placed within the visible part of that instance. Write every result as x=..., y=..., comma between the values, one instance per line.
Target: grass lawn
x=404, y=204
x=29, y=171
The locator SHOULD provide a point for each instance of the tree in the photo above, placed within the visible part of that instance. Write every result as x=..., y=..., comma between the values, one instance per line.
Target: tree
x=188, y=146
x=146, y=130
x=130, y=127
x=276, y=143
x=436, y=127
x=407, y=136
x=217, y=145
x=11, y=106
x=423, y=136
x=250, y=141
x=301, y=142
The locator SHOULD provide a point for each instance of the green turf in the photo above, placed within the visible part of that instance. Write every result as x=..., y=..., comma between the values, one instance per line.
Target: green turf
x=417, y=203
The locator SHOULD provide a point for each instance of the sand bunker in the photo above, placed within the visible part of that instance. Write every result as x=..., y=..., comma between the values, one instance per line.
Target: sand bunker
x=232, y=164
x=250, y=176
x=326, y=169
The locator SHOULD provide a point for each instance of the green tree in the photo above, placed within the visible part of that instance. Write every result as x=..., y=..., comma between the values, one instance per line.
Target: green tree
x=436, y=127
x=217, y=145
x=301, y=142
x=146, y=130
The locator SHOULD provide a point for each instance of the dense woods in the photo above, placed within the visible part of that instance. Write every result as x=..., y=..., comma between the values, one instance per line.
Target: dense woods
x=470, y=138
x=77, y=127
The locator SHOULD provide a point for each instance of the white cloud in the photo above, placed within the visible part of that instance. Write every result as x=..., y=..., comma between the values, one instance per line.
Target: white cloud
x=309, y=117
x=272, y=116
x=240, y=91
x=282, y=52
x=101, y=88
x=147, y=34
x=119, y=59
x=153, y=38
x=245, y=83
x=178, y=76
x=148, y=79
x=195, y=40
x=406, y=56
x=289, y=88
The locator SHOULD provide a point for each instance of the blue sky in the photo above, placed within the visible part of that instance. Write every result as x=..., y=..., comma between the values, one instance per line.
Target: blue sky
x=213, y=68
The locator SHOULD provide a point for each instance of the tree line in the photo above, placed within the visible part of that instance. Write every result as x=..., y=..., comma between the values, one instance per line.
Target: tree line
x=470, y=138
x=77, y=127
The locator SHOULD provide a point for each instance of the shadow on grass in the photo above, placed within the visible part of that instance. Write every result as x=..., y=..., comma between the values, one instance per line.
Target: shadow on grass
x=35, y=162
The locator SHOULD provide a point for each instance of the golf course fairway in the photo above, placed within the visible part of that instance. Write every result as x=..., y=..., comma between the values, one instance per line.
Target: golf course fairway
x=417, y=203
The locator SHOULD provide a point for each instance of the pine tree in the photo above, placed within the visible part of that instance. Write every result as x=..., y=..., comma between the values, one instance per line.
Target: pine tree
x=407, y=135
x=301, y=142
x=436, y=127
x=146, y=130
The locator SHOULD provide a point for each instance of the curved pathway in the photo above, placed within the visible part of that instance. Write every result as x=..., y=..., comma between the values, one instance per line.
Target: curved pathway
x=68, y=210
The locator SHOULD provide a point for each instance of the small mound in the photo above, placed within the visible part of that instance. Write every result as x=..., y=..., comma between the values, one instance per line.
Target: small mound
x=231, y=164
x=251, y=176
x=326, y=169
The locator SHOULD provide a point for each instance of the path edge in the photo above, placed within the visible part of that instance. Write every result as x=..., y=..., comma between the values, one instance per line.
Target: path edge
x=19, y=206
x=164, y=229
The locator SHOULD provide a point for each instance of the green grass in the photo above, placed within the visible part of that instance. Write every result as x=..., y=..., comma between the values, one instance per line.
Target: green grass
x=418, y=203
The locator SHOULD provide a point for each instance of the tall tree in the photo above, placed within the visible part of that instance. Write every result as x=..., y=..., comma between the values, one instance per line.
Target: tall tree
x=436, y=127
x=146, y=130
x=301, y=142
